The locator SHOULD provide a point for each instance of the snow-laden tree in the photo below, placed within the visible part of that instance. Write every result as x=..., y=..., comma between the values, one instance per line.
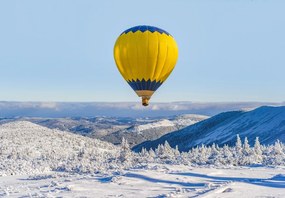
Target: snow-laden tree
x=152, y=155
x=177, y=155
x=238, y=146
x=126, y=155
x=166, y=153
x=193, y=155
x=203, y=154
x=257, y=152
x=143, y=156
x=215, y=155
x=247, y=153
x=277, y=156
x=176, y=151
x=246, y=147
x=159, y=151
x=227, y=156
x=144, y=153
x=238, y=155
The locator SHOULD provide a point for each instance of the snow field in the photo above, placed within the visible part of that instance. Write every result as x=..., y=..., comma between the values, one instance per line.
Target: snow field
x=152, y=181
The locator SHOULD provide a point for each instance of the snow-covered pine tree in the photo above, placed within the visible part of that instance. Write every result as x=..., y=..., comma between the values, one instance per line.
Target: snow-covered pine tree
x=165, y=152
x=184, y=159
x=246, y=147
x=227, y=155
x=238, y=151
x=215, y=155
x=143, y=153
x=238, y=147
x=159, y=151
x=277, y=155
x=194, y=155
x=247, y=153
x=143, y=156
x=277, y=149
x=152, y=155
x=257, y=152
x=125, y=152
x=204, y=154
x=168, y=151
x=176, y=151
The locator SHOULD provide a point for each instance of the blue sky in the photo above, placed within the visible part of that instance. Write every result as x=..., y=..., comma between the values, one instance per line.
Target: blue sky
x=229, y=50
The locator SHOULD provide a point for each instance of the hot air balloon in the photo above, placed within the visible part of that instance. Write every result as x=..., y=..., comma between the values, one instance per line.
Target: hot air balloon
x=145, y=57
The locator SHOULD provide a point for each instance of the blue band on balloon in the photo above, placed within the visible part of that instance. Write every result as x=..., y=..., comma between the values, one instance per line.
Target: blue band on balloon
x=144, y=85
x=144, y=28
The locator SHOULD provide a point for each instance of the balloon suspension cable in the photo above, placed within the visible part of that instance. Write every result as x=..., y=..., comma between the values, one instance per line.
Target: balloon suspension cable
x=145, y=101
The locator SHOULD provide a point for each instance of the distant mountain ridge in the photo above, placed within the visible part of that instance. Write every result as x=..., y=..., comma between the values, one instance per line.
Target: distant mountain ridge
x=141, y=132
x=113, y=129
x=119, y=109
x=267, y=123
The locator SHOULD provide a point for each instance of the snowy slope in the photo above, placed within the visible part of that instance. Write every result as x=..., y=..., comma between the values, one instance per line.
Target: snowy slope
x=26, y=147
x=268, y=123
x=141, y=132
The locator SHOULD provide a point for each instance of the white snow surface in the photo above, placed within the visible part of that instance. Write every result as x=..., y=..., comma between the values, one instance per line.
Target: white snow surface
x=152, y=180
x=161, y=123
x=178, y=122
x=188, y=119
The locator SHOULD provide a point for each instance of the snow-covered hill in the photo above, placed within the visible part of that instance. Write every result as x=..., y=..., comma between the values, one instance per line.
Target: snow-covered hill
x=154, y=129
x=266, y=122
x=96, y=127
x=112, y=129
x=26, y=148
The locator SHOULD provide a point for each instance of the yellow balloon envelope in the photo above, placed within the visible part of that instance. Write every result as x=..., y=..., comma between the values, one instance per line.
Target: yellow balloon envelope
x=145, y=56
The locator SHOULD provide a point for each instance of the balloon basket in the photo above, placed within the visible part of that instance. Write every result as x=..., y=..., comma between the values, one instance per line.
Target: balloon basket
x=145, y=101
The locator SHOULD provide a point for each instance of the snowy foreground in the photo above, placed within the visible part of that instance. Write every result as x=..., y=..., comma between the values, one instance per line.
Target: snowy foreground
x=39, y=162
x=151, y=181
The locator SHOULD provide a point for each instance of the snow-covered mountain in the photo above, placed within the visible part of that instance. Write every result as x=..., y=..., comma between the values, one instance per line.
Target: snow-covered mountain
x=26, y=147
x=267, y=123
x=141, y=132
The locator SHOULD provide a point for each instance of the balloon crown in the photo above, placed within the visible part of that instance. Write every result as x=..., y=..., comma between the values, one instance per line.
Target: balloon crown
x=144, y=28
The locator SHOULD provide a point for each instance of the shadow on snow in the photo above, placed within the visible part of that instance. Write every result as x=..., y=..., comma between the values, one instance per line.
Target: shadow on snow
x=154, y=180
x=278, y=181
